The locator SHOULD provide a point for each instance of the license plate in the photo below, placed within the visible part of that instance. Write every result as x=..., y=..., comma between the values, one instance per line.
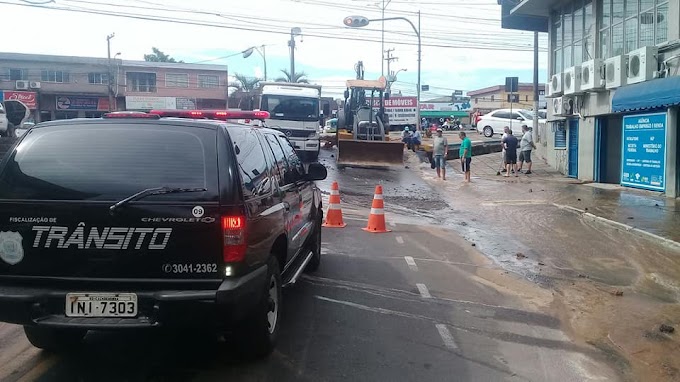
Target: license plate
x=101, y=305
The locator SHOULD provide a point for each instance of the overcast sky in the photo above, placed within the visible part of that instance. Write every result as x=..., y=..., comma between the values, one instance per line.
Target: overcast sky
x=463, y=45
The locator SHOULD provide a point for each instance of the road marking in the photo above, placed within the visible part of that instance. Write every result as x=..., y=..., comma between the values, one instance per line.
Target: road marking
x=411, y=263
x=446, y=337
x=373, y=309
x=400, y=239
x=392, y=224
x=423, y=291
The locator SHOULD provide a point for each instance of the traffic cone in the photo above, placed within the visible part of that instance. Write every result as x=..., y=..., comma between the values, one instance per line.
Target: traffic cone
x=334, y=214
x=376, y=220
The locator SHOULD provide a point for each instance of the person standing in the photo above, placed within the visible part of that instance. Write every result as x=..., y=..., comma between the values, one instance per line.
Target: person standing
x=465, y=153
x=416, y=139
x=440, y=150
x=510, y=143
x=525, y=147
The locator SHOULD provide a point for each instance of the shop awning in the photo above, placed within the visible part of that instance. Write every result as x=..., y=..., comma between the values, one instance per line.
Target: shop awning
x=658, y=93
x=443, y=114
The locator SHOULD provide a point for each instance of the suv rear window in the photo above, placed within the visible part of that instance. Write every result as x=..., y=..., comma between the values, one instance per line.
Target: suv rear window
x=111, y=162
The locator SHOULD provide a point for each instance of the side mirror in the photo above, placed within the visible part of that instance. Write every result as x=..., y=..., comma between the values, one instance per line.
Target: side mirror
x=520, y=119
x=316, y=171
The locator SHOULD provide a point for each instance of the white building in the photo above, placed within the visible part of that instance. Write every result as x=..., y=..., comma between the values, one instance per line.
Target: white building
x=614, y=88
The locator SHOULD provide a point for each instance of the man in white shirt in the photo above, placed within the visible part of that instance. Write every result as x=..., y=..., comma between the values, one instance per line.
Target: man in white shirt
x=525, y=147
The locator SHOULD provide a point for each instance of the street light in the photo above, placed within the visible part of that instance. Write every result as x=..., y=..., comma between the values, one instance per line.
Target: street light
x=360, y=22
x=392, y=77
x=248, y=52
x=293, y=32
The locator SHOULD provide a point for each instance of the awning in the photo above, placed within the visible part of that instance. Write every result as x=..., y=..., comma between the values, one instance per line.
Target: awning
x=443, y=114
x=658, y=93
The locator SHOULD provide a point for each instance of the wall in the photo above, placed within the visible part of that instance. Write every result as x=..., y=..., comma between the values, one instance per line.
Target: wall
x=192, y=91
x=672, y=153
x=613, y=134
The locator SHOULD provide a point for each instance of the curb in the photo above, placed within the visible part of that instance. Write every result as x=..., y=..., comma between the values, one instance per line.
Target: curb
x=628, y=228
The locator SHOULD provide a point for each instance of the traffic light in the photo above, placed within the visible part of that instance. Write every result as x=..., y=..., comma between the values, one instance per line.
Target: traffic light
x=356, y=21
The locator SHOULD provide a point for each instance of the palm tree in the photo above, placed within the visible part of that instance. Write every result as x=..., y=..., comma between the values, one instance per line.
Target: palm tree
x=295, y=78
x=244, y=86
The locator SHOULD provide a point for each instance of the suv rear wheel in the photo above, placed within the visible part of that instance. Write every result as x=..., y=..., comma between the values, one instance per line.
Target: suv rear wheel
x=261, y=328
x=53, y=339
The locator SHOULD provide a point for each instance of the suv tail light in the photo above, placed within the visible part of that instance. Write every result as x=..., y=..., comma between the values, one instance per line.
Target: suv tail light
x=235, y=244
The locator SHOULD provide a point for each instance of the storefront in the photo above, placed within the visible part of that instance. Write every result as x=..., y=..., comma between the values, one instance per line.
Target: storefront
x=30, y=99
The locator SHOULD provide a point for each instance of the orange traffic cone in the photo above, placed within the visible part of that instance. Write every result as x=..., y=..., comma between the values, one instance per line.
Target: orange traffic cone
x=376, y=220
x=334, y=214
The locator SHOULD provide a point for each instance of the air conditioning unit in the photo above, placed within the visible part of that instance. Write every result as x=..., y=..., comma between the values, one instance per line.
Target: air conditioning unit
x=547, y=91
x=556, y=85
x=592, y=75
x=35, y=85
x=572, y=80
x=562, y=106
x=642, y=64
x=615, y=71
x=21, y=85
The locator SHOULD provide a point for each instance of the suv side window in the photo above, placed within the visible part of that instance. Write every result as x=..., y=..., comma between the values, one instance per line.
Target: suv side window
x=294, y=161
x=251, y=162
x=280, y=162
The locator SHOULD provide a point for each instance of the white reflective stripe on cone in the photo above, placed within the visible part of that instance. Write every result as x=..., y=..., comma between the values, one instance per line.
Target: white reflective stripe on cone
x=333, y=206
x=378, y=196
x=377, y=211
x=335, y=192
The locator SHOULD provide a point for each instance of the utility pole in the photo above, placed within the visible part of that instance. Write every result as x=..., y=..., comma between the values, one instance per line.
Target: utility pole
x=420, y=51
x=110, y=75
x=389, y=60
x=534, y=131
x=293, y=32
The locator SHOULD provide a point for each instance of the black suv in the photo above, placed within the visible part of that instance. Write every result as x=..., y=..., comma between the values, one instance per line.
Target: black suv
x=139, y=220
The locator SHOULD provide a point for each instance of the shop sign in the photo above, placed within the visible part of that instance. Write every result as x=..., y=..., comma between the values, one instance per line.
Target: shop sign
x=82, y=103
x=400, y=110
x=644, y=151
x=27, y=98
x=150, y=103
x=462, y=105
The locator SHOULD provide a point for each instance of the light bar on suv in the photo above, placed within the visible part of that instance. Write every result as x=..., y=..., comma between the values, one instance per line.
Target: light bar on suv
x=221, y=115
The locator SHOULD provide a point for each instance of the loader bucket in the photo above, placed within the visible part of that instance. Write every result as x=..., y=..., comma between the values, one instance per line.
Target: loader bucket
x=359, y=153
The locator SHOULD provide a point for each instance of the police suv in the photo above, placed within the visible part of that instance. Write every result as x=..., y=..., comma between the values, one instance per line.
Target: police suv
x=142, y=220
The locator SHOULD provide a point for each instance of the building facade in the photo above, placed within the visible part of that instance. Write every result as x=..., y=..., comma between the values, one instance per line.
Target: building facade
x=63, y=87
x=613, y=90
x=495, y=97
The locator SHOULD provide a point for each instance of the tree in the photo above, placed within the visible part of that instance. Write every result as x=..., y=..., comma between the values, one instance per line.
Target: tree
x=299, y=78
x=245, y=86
x=159, y=56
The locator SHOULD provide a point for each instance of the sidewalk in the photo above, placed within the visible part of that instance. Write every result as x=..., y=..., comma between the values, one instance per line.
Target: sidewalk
x=625, y=208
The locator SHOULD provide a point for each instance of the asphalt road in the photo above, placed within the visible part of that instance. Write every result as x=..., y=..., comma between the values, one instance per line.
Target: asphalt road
x=416, y=304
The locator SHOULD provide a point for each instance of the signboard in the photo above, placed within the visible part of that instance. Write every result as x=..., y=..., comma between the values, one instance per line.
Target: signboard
x=400, y=110
x=184, y=103
x=150, y=103
x=446, y=106
x=511, y=84
x=82, y=103
x=457, y=92
x=28, y=98
x=425, y=88
x=644, y=151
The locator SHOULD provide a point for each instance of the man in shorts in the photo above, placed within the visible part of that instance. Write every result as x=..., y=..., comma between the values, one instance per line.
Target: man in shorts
x=465, y=154
x=526, y=144
x=440, y=149
x=510, y=143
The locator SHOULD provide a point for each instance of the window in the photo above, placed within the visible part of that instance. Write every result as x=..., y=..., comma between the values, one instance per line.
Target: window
x=281, y=165
x=98, y=78
x=502, y=115
x=55, y=76
x=141, y=82
x=560, y=135
x=626, y=25
x=251, y=161
x=208, y=81
x=177, y=80
x=64, y=163
x=291, y=108
x=18, y=74
x=492, y=97
x=294, y=162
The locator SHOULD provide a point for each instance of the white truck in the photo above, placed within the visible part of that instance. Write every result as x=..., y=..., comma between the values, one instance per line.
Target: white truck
x=294, y=109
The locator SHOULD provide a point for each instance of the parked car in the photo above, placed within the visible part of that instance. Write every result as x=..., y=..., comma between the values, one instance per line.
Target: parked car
x=331, y=126
x=138, y=221
x=12, y=114
x=493, y=123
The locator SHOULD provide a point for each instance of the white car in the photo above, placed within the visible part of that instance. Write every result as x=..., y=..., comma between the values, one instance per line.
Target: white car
x=493, y=123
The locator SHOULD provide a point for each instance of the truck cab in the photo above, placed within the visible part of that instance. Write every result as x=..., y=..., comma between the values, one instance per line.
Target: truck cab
x=294, y=110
